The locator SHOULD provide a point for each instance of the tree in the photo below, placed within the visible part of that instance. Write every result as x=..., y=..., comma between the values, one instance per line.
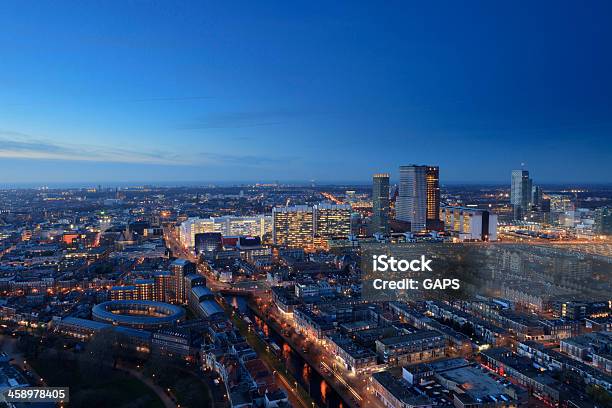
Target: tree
x=159, y=369
x=190, y=393
x=99, y=353
x=599, y=394
x=59, y=351
x=28, y=346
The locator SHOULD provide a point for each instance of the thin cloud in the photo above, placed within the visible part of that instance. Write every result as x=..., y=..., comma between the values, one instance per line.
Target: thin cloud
x=21, y=146
x=17, y=145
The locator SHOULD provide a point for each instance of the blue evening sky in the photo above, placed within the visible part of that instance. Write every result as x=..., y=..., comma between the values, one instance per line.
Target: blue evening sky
x=170, y=91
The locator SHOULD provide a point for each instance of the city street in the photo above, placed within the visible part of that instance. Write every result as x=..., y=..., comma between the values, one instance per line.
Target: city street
x=344, y=382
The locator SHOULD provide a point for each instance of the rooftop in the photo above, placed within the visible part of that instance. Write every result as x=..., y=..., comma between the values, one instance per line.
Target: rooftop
x=474, y=381
x=420, y=335
x=400, y=389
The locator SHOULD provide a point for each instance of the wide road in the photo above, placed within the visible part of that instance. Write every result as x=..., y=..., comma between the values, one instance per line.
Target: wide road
x=173, y=243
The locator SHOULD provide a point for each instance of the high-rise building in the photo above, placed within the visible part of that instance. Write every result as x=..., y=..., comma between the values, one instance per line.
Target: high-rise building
x=380, y=204
x=179, y=269
x=520, y=193
x=603, y=221
x=432, y=178
x=411, y=204
x=332, y=220
x=536, y=196
x=293, y=227
x=162, y=287
x=302, y=226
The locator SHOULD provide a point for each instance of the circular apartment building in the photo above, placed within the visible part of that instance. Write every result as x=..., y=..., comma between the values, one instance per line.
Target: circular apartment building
x=141, y=314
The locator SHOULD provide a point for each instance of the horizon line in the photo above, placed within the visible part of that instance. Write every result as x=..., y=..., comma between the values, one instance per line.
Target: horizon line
x=236, y=183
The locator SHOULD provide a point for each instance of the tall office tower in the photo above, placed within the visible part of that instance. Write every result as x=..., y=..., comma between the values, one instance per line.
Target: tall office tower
x=332, y=220
x=411, y=204
x=536, y=196
x=432, y=178
x=520, y=193
x=293, y=227
x=179, y=269
x=380, y=204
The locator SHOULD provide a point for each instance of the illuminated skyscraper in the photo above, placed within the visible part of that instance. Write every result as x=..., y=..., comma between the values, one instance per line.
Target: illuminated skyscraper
x=432, y=178
x=332, y=220
x=380, y=204
x=412, y=202
x=520, y=193
x=293, y=227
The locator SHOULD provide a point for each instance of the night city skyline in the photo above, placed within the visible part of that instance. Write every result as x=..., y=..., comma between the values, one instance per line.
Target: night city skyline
x=305, y=204
x=197, y=92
